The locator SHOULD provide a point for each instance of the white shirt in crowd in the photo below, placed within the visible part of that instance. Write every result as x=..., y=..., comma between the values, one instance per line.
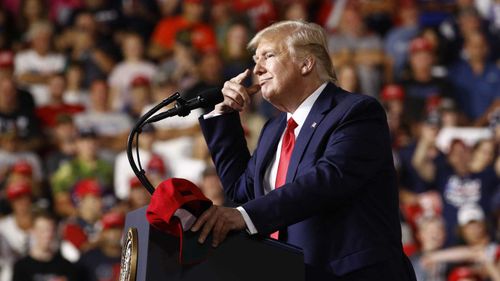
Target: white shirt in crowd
x=30, y=61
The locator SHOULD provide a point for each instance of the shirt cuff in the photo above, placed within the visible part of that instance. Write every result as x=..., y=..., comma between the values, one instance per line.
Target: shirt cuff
x=250, y=227
x=211, y=115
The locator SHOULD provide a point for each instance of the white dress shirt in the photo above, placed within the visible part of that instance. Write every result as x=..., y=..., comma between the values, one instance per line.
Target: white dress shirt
x=299, y=116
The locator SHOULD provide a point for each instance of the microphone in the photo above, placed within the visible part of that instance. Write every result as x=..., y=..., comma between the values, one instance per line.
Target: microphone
x=206, y=98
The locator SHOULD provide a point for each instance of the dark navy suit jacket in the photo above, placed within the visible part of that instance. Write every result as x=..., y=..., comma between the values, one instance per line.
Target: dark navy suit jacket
x=340, y=200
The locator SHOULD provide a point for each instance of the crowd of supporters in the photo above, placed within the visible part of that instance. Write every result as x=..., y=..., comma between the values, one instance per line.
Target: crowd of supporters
x=75, y=76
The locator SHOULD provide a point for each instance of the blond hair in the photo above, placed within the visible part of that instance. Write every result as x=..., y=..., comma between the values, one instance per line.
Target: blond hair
x=301, y=39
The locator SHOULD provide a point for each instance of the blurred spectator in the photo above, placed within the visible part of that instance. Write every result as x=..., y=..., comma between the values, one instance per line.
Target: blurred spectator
x=261, y=13
x=420, y=84
x=398, y=39
x=15, y=117
x=450, y=114
x=10, y=155
x=6, y=260
x=148, y=154
x=354, y=44
x=212, y=187
x=378, y=15
x=111, y=127
x=60, y=11
x=235, y=56
x=30, y=12
x=455, y=181
x=44, y=261
x=34, y=66
x=14, y=228
x=132, y=66
x=456, y=29
x=56, y=106
x=493, y=15
x=479, y=253
x=139, y=196
x=74, y=92
x=209, y=75
x=63, y=147
x=103, y=262
x=476, y=80
x=86, y=45
x=431, y=236
x=392, y=98
x=294, y=10
x=81, y=232
x=483, y=155
x=348, y=78
x=24, y=98
x=106, y=14
x=221, y=18
x=140, y=16
x=200, y=35
x=22, y=172
x=140, y=90
x=86, y=164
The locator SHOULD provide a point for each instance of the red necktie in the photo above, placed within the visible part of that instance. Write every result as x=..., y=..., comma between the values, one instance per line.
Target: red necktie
x=286, y=152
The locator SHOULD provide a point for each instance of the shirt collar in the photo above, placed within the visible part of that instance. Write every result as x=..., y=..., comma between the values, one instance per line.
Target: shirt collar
x=304, y=108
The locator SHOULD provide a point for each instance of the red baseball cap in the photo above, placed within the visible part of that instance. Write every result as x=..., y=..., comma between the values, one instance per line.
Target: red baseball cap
x=87, y=187
x=113, y=219
x=462, y=272
x=420, y=44
x=173, y=203
x=18, y=189
x=6, y=59
x=22, y=167
x=135, y=183
x=392, y=92
x=156, y=164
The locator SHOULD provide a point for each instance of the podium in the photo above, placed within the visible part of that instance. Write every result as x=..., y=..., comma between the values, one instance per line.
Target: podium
x=153, y=256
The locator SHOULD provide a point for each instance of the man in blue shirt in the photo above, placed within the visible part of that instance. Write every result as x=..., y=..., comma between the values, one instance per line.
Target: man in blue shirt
x=476, y=80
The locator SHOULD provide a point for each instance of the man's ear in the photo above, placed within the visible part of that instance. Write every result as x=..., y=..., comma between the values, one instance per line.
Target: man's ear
x=307, y=65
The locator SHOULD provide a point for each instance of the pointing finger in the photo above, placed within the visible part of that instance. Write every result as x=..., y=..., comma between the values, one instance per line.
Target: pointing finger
x=239, y=78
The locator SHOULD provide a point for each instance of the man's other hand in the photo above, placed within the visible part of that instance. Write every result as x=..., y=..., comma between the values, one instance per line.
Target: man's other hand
x=219, y=221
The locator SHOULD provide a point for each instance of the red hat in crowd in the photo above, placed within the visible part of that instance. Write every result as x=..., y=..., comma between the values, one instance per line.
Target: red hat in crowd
x=462, y=272
x=87, y=187
x=140, y=81
x=175, y=204
x=420, y=44
x=135, y=183
x=113, y=219
x=22, y=167
x=6, y=59
x=392, y=92
x=157, y=165
x=18, y=189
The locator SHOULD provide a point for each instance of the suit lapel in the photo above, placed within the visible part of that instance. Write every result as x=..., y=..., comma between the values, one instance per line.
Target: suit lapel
x=267, y=147
x=323, y=104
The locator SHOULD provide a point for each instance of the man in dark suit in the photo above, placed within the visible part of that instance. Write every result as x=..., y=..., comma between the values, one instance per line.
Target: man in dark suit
x=322, y=174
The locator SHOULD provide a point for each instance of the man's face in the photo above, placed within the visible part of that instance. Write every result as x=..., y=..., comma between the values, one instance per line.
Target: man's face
x=276, y=72
x=44, y=233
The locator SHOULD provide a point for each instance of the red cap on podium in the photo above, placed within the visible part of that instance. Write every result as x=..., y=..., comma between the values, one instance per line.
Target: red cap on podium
x=175, y=205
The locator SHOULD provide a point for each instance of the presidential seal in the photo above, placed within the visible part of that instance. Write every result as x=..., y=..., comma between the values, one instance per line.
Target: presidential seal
x=128, y=264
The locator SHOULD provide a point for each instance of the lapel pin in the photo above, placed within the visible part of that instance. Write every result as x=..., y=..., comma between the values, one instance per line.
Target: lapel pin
x=314, y=125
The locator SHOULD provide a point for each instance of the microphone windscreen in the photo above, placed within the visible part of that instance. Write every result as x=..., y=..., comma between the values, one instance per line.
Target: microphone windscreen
x=211, y=97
